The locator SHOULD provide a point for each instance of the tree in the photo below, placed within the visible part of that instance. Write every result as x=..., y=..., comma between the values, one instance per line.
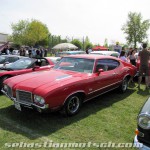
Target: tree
x=77, y=43
x=30, y=33
x=37, y=33
x=106, y=43
x=88, y=44
x=19, y=30
x=135, y=28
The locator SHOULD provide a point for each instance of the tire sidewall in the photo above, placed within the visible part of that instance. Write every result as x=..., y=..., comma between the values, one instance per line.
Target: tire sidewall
x=124, y=85
x=67, y=111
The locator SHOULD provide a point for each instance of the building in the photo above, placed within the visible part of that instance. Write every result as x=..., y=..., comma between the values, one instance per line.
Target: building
x=3, y=38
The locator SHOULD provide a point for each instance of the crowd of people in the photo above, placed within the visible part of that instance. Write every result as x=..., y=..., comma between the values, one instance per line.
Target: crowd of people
x=27, y=51
x=33, y=52
x=144, y=57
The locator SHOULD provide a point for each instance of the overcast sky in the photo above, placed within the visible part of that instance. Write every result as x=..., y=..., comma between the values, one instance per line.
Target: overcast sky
x=97, y=19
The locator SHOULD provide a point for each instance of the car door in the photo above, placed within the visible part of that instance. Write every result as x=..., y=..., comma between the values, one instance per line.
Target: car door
x=106, y=80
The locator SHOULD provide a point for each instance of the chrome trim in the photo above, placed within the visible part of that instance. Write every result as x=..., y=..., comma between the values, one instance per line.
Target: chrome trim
x=139, y=145
x=101, y=94
x=11, y=90
x=23, y=91
x=72, y=94
x=26, y=104
x=104, y=87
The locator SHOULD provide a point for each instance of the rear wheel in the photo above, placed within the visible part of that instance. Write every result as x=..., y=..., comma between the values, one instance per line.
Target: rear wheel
x=72, y=105
x=123, y=87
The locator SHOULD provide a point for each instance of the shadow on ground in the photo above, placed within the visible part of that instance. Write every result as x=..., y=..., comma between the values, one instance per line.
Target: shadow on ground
x=34, y=125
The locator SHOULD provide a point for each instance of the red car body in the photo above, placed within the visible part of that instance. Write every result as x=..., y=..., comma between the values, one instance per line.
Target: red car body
x=65, y=89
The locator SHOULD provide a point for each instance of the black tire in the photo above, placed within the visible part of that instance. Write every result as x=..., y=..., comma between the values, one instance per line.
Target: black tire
x=72, y=105
x=2, y=79
x=124, y=86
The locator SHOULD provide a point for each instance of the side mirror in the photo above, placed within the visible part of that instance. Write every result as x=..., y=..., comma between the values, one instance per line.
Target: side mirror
x=35, y=68
x=100, y=70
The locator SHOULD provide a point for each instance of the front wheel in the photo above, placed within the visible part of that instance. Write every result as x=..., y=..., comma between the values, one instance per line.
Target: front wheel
x=72, y=105
x=123, y=87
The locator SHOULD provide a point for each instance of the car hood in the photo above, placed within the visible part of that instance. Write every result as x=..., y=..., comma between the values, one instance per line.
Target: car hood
x=43, y=80
x=146, y=107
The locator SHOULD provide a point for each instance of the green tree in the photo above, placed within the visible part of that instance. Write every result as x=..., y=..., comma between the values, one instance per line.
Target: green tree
x=88, y=44
x=19, y=31
x=77, y=43
x=30, y=33
x=135, y=28
x=37, y=33
x=106, y=43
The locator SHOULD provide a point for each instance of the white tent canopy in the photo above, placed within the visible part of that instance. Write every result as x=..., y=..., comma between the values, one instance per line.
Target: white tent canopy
x=65, y=46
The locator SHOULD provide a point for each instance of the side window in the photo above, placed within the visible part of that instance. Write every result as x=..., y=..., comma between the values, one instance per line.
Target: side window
x=115, y=55
x=106, y=64
x=44, y=62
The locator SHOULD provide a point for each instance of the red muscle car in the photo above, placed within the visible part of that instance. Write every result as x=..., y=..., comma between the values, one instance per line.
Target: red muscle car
x=72, y=81
x=24, y=65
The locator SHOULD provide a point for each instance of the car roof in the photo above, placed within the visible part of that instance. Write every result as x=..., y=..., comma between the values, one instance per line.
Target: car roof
x=87, y=56
x=54, y=58
x=103, y=52
x=12, y=56
x=72, y=52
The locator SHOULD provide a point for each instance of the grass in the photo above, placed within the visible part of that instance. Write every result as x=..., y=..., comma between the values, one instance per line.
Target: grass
x=110, y=117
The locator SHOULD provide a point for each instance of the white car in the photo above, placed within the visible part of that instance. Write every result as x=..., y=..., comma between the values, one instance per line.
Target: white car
x=15, y=52
x=54, y=59
x=107, y=53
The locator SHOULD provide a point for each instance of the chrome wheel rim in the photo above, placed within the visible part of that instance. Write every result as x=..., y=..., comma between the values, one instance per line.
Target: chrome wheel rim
x=73, y=104
x=124, y=85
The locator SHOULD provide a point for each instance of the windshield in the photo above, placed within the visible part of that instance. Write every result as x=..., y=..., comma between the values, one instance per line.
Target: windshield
x=2, y=59
x=21, y=64
x=76, y=64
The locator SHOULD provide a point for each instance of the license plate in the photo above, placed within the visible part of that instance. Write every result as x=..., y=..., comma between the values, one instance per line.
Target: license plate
x=17, y=106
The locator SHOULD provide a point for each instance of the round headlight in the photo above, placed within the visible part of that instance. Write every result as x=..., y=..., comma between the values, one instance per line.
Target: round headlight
x=144, y=121
x=39, y=99
x=5, y=87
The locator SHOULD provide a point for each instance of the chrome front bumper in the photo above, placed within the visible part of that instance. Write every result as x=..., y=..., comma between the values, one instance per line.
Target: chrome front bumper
x=139, y=145
x=29, y=105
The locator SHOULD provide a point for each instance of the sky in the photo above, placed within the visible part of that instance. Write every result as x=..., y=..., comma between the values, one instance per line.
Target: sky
x=97, y=19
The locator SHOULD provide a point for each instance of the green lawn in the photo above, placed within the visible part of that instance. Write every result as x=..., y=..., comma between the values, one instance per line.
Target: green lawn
x=110, y=117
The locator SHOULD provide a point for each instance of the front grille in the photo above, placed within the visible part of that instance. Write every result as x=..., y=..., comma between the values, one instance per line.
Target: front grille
x=146, y=139
x=9, y=91
x=23, y=96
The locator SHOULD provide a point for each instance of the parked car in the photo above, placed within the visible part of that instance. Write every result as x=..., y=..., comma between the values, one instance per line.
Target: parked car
x=73, y=80
x=6, y=59
x=142, y=137
x=107, y=53
x=24, y=65
x=65, y=53
x=15, y=52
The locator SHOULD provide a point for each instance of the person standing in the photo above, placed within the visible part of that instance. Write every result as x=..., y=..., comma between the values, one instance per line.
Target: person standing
x=132, y=57
x=117, y=48
x=123, y=56
x=144, y=57
x=45, y=52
